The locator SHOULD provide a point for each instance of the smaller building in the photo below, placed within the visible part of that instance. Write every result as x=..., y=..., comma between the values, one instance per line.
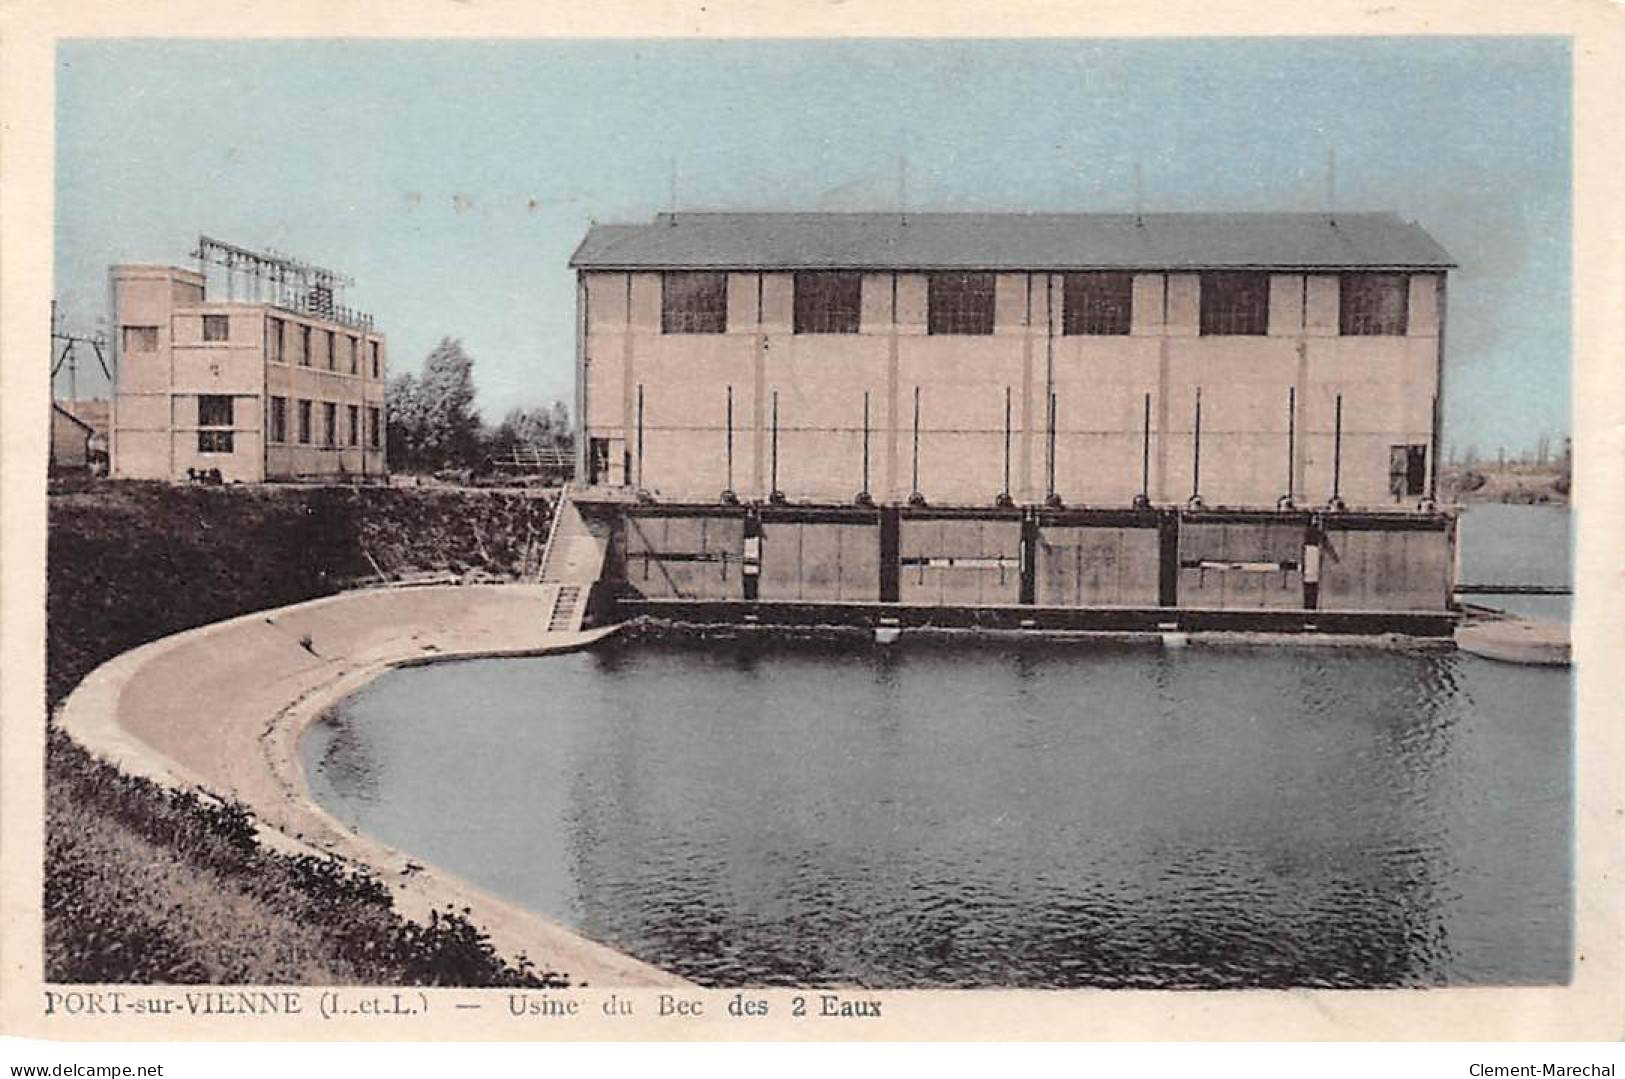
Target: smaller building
x=70, y=439
x=281, y=390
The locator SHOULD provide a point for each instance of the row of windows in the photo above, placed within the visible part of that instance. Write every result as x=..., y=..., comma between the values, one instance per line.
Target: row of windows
x=1092, y=303
x=218, y=411
x=218, y=328
x=277, y=337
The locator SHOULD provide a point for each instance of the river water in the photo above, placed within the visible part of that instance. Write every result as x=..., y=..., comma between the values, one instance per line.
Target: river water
x=1031, y=814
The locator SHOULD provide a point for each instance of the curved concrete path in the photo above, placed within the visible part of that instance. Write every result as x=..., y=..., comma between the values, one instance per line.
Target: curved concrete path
x=1516, y=639
x=222, y=707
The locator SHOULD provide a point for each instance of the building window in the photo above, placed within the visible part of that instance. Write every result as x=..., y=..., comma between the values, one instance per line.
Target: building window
x=355, y=425
x=1096, y=303
x=828, y=302
x=279, y=341
x=1407, y=470
x=355, y=364
x=332, y=351
x=304, y=423
x=214, y=410
x=330, y=424
x=374, y=422
x=216, y=328
x=693, y=303
x=1373, y=304
x=140, y=339
x=374, y=359
x=959, y=303
x=304, y=346
x=1235, y=303
x=279, y=419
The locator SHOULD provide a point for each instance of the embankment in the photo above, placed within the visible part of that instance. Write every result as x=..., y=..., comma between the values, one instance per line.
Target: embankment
x=221, y=708
x=146, y=883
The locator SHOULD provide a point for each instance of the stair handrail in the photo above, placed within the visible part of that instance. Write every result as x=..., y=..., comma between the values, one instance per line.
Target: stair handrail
x=552, y=532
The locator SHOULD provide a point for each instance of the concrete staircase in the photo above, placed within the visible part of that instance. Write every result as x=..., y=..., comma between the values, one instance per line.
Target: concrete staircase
x=571, y=562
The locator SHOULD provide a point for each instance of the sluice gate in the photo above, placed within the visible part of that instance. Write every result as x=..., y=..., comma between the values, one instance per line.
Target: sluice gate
x=1041, y=568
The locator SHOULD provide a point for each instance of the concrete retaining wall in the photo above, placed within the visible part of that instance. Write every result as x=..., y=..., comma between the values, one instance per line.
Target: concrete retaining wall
x=1049, y=557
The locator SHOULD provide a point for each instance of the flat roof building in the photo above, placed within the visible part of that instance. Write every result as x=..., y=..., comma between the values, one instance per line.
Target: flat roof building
x=291, y=389
x=1231, y=359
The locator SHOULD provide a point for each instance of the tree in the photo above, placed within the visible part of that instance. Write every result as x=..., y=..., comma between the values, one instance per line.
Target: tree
x=403, y=404
x=537, y=428
x=451, y=423
x=432, y=419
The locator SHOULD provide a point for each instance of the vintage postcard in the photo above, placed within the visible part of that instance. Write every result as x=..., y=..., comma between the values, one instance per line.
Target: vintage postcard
x=822, y=524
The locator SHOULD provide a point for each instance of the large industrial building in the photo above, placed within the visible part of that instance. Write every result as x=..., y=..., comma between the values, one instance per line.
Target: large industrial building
x=279, y=383
x=963, y=359
x=1141, y=423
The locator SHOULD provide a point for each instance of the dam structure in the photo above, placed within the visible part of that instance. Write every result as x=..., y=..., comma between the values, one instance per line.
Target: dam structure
x=1058, y=422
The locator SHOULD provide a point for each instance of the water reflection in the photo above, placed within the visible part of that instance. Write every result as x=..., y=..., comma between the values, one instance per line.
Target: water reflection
x=1037, y=815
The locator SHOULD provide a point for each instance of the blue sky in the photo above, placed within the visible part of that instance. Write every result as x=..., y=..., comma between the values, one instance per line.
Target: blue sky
x=453, y=179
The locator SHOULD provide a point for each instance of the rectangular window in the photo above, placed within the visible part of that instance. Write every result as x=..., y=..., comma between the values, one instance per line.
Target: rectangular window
x=279, y=419
x=959, y=303
x=332, y=351
x=140, y=339
x=1235, y=303
x=304, y=346
x=330, y=424
x=214, y=410
x=598, y=460
x=1096, y=303
x=279, y=341
x=304, y=423
x=828, y=302
x=355, y=425
x=373, y=423
x=693, y=303
x=374, y=359
x=216, y=327
x=354, y=353
x=1373, y=304
x=1407, y=470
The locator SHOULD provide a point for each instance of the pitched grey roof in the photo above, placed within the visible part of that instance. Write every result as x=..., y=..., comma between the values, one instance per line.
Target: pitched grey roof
x=1011, y=241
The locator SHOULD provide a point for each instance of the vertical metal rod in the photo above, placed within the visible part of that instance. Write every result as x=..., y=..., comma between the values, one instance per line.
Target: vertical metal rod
x=1291, y=436
x=775, y=484
x=1007, y=440
x=730, y=437
x=1337, y=450
x=1049, y=479
x=916, y=487
x=1433, y=450
x=640, y=435
x=1196, y=449
x=865, y=487
x=1145, y=452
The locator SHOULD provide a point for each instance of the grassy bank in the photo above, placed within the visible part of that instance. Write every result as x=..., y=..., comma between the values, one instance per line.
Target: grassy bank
x=1514, y=483
x=146, y=884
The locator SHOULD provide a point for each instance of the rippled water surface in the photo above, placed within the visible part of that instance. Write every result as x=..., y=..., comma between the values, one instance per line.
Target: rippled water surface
x=975, y=815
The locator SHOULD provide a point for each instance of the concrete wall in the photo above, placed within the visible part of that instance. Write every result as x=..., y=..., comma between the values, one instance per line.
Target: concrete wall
x=1101, y=386
x=1110, y=566
x=688, y=557
x=1386, y=570
x=1247, y=563
x=156, y=411
x=1231, y=561
x=964, y=562
x=820, y=561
